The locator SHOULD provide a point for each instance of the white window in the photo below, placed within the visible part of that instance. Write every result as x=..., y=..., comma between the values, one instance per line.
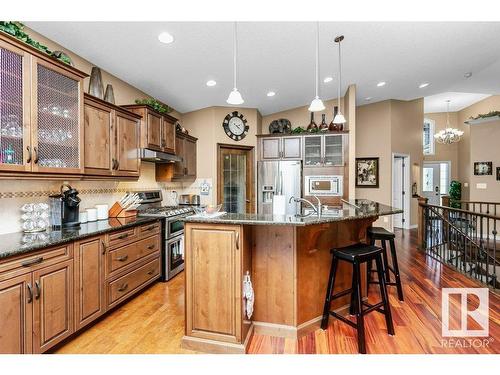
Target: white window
x=428, y=179
x=428, y=138
x=444, y=178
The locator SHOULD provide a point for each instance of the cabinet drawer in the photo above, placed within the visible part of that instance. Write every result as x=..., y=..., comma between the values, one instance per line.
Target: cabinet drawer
x=131, y=282
x=122, y=236
x=149, y=229
x=30, y=262
x=127, y=254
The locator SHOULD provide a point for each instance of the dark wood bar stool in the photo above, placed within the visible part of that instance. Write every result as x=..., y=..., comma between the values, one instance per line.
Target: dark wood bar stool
x=383, y=235
x=356, y=255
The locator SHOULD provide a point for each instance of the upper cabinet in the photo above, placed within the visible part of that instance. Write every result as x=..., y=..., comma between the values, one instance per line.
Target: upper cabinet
x=281, y=148
x=157, y=130
x=41, y=112
x=112, y=139
x=324, y=150
x=185, y=146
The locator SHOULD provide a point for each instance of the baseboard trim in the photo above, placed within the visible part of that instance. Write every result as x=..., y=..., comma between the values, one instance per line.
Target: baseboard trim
x=216, y=347
x=414, y=226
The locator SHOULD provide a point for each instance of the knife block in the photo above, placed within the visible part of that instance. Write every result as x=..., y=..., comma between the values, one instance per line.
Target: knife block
x=117, y=210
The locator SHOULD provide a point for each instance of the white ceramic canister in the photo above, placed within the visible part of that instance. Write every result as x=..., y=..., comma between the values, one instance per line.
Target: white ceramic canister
x=83, y=217
x=102, y=211
x=91, y=214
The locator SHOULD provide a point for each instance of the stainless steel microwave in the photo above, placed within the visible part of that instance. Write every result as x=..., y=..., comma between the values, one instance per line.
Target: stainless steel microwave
x=326, y=186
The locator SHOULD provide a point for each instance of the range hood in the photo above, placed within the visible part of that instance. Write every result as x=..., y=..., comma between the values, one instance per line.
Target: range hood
x=158, y=156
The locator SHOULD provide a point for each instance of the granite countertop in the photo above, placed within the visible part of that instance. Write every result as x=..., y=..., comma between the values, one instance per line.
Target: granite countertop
x=20, y=243
x=367, y=209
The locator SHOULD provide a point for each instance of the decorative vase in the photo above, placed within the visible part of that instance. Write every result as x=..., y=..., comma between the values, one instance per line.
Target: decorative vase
x=323, y=126
x=96, y=87
x=312, y=125
x=109, y=96
x=334, y=127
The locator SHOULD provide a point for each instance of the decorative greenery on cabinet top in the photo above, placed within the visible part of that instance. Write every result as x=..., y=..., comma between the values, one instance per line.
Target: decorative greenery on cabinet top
x=15, y=29
x=155, y=104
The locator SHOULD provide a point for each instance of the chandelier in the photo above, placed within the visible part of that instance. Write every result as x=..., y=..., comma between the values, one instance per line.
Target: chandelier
x=449, y=135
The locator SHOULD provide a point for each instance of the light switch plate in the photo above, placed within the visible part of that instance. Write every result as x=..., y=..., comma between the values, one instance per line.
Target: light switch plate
x=466, y=184
x=481, y=185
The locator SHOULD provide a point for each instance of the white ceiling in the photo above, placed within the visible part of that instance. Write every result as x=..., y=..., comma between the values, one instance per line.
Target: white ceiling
x=458, y=101
x=279, y=56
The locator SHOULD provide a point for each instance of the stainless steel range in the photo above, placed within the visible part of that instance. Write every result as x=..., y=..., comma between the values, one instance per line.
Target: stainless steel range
x=172, y=233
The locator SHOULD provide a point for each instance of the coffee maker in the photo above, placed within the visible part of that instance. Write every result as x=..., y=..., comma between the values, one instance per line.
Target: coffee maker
x=65, y=208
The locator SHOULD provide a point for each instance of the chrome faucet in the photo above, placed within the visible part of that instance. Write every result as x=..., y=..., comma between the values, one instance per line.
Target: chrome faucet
x=317, y=209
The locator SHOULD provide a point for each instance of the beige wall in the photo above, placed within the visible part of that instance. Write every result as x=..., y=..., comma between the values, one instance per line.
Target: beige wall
x=479, y=143
x=206, y=125
x=407, y=118
x=384, y=128
x=445, y=152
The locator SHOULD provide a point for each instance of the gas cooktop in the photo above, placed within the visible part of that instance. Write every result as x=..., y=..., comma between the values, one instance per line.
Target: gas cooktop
x=166, y=211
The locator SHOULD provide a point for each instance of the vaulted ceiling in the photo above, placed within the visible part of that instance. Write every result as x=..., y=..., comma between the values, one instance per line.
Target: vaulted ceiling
x=280, y=56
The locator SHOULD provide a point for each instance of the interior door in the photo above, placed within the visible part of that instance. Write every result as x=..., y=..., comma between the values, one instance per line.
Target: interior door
x=397, y=190
x=431, y=181
x=235, y=179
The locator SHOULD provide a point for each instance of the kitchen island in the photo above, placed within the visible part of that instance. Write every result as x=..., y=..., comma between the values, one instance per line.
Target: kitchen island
x=288, y=260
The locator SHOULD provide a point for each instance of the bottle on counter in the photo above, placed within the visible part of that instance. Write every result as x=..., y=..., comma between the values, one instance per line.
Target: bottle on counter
x=334, y=127
x=312, y=125
x=323, y=126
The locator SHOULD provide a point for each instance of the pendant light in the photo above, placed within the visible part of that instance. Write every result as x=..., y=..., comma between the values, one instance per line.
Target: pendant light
x=317, y=103
x=449, y=135
x=234, y=97
x=339, y=118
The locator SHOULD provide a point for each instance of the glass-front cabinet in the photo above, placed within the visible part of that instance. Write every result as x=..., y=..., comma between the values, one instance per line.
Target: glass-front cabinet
x=41, y=112
x=323, y=150
x=14, y=113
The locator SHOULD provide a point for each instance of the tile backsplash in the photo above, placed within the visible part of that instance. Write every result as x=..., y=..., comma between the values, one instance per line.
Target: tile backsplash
x=15, y=193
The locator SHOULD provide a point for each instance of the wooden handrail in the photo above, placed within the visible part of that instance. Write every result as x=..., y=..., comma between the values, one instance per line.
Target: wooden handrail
x=459, y=210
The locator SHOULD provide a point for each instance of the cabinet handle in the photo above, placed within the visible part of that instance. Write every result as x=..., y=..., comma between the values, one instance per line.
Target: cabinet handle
x=30, y=293
x=35, y=152
x=123, y=287
x=237, y=240
x=151, y=272
x=117, y=164
x=122, y=258
x=151, y=247
x=32, y=261
x=122, y=236
x=103, y=247
x=113, y=163
x=29, y=154
x=37, y=290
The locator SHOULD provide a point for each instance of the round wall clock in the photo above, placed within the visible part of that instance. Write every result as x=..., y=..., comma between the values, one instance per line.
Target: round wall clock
x=235, y=126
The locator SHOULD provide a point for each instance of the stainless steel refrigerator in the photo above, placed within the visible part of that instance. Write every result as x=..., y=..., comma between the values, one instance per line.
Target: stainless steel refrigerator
x=278, y=177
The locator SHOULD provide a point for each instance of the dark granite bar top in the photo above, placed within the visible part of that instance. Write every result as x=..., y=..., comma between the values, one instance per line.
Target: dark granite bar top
x=367, y=209
x=20, y=243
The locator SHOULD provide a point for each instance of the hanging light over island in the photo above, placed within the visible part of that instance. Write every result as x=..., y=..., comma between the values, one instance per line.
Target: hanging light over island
x=339, y=118
x=235, y=97
x=317, y=103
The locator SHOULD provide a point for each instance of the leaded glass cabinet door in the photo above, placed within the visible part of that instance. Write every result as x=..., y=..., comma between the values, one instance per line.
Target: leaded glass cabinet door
x=15, y=148
x=57, y=131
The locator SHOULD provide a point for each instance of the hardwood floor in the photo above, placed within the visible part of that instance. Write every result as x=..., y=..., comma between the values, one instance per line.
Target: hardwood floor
x=153, y=322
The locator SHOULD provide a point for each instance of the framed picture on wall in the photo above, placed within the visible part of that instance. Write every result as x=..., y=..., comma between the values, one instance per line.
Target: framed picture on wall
x=367, y=172
x=483, y=168
x=498, y=173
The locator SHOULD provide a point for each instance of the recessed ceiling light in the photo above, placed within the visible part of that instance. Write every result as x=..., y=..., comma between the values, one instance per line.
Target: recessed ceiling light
x=328, y=79
x=271, y=93
x=368, y=98
x=468, y=75
x=211, y=83
x=423, y=85
x=165, y=37
x=380, y=84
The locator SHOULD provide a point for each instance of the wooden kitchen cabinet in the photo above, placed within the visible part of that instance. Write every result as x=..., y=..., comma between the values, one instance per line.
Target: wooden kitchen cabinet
x=53, y=305
x=112, y=140
x=157, y=130
x=184, y=170
x=324, y=150
x=89, y=302
x=41, y=101
x=217, y=258
x=280, y=148
x=16, y=311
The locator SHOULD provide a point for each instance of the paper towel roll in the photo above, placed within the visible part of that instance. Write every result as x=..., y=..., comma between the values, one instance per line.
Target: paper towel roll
x=279, y=205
